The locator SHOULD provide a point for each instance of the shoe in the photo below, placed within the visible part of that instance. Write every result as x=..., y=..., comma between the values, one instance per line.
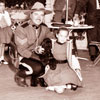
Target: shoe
x=74, y=87
x=42, y=82
x=3, y=62
x=59, y=89
x=71, y=86
x=34, y=82
x=50, y=88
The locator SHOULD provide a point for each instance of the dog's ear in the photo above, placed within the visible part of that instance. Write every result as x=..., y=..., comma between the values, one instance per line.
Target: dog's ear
x=52, y=64
x=46, y=42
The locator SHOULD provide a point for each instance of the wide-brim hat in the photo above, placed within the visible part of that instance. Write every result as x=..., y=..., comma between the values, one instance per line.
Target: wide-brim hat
x=38, y=6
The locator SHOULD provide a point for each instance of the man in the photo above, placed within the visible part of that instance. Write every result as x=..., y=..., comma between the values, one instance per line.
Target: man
x=29, y=36
x=60, y=9
x=92, y=18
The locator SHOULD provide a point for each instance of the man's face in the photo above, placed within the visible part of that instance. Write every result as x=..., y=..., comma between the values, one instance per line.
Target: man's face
x=37, y=17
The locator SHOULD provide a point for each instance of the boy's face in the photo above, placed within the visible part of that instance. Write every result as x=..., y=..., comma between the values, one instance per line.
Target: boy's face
x=62, y=36
x=2, y=6
x=37, y=17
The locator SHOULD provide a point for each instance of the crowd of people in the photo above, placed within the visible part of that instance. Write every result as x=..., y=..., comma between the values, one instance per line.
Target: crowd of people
x=29, y=35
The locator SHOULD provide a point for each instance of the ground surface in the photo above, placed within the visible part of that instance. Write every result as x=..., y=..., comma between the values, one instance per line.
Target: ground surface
x=90, y=91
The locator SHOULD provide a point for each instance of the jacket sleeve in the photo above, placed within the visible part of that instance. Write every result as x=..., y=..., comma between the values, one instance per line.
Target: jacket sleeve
x=22, y=43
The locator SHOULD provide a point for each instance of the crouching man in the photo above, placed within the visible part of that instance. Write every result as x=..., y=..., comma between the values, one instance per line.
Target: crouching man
x=29, y=36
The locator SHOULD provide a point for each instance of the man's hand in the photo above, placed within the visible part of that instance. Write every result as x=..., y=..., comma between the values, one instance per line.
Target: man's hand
x=39, y=50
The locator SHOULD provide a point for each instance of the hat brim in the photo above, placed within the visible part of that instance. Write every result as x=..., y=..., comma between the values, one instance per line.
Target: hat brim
x=45, y=10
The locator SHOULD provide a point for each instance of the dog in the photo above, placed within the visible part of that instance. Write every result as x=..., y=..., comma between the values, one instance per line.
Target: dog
x=47, y=57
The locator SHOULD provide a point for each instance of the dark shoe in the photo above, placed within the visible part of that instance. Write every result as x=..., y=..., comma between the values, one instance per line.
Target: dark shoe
x=74, y=87
x=34, y=82
x=42, y=82
x=3, y=62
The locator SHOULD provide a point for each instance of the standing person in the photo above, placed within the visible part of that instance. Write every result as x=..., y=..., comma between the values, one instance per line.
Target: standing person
x=42, y=1
x=60, y=9
x=92, y=18
x=64, y=76
x=29, y=36
x=5, y=30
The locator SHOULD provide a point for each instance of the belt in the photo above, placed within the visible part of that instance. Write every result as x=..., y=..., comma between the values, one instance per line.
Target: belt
x=61, y=61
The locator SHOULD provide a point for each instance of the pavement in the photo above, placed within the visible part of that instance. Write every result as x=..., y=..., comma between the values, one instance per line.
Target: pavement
x=9, y=90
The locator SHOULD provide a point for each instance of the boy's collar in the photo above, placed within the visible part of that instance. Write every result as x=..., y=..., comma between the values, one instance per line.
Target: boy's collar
x=61, y=43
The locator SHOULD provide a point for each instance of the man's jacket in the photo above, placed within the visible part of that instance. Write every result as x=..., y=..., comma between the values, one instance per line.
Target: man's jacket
x=28, y=36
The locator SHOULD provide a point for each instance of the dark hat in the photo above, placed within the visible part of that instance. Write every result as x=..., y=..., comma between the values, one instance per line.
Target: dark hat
x=38, y=6
x=2, y=1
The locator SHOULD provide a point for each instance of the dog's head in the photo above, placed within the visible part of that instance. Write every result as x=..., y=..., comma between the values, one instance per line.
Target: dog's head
x=47, y=45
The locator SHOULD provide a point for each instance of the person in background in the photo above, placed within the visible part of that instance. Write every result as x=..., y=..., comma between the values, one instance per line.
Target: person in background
x=92, y=9
x=29, y=35
x=60, y=10
x=67, y=74
x=5, y=30
x=42, y=1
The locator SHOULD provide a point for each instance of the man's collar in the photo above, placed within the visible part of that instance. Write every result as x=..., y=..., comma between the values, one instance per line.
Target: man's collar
x=36, y=27
x=33, y=25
